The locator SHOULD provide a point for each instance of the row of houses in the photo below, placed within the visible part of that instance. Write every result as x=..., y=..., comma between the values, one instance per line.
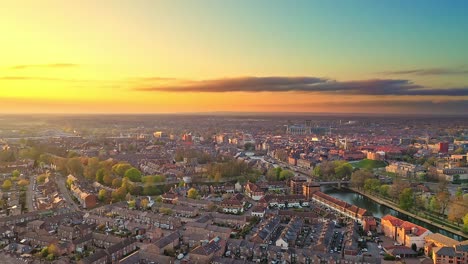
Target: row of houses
x=358, y=214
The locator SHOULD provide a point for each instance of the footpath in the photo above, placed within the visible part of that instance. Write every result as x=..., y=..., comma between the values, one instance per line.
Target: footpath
x=396, y=208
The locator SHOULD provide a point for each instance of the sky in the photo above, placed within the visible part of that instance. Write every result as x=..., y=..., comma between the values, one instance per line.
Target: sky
x=154, y=56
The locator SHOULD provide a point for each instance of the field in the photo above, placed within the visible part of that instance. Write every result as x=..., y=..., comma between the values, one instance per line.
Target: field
x=369, y=164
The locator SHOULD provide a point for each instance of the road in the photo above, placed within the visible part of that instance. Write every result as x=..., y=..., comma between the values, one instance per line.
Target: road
x=62, y=188
x=30, y=194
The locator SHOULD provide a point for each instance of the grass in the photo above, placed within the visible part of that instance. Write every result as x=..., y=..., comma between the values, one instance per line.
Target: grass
x=369, y=164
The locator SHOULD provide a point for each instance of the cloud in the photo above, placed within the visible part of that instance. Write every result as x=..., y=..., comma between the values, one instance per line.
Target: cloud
x=305, y=84
x=429, y=71
x=52, y=65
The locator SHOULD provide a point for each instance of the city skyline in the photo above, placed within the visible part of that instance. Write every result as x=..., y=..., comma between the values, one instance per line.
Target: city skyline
x=234, y=56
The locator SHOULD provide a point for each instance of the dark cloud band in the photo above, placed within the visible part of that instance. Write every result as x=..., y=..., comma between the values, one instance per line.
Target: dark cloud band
x=307, y=84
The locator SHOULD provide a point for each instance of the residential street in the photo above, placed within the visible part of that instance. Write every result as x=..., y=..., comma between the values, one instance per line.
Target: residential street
x=30, y=194
x=60, y=180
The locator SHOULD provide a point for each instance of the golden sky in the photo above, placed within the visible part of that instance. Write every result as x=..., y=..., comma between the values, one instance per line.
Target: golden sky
x=203, y=56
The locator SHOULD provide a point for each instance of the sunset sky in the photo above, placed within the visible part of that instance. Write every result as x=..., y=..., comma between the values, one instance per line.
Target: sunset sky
x=137, y=56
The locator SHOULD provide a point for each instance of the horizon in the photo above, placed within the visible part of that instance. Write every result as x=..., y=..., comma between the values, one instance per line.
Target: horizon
x=151, y=57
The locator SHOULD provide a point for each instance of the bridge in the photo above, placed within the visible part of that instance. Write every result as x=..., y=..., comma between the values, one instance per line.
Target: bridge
x=338, y=183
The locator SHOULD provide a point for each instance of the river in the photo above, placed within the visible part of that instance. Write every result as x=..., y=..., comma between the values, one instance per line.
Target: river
x=381, y=210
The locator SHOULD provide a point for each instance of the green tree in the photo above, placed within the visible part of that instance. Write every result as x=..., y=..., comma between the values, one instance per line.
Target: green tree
x=456, y=179
x=44, y=252
x=459, y=150
x=41, y=178
x=372, y=185
x=15, y=174
x=406, y=199
x=273, y=174
x=285, y=175
x=192, y=193
x=434, y=204
x=69, y=183
x=465, y=223
x=343, y=169
x=6, y=185
x=133, y=174
x=100, y=175
x=121, y=168
x=317, y=171
x=166, y=211
x=102, y=195
x=384, y=189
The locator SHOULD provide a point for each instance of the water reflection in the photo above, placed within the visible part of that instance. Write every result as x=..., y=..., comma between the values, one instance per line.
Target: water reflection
x=380, y=210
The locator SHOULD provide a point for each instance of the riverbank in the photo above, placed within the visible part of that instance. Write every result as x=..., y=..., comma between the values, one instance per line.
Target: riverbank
x=397, y=208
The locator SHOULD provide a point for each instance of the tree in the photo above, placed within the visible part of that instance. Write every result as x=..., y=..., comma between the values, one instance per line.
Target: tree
x=444, y=199
x=406, y=199
x=249, y=146
x=131, y=204
x=396, y=189
x=119, y=194
x=107, y=180
x=15, y=174
x=456, y=179
x=359, y=177
x=434, y=204
x=166, y=211
x=285, y=175
x=102, y=195
x=144, y=203
x=384, y=189
x=457, y=208
x=69, y=183
x=273, y=174
x=91, y=168
x=100, y=175
x=116, y=183
x=372, y=185
x=6, y=185
x=317, y=171
x=158, y=199
x=23, y=182
x=465, y=223
x=343, y=169
x=192, y=193
x=44, y=252
x=41, y=178
x=133, y=174
x=459, y=150
x=74, y=166
x=121, y=168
